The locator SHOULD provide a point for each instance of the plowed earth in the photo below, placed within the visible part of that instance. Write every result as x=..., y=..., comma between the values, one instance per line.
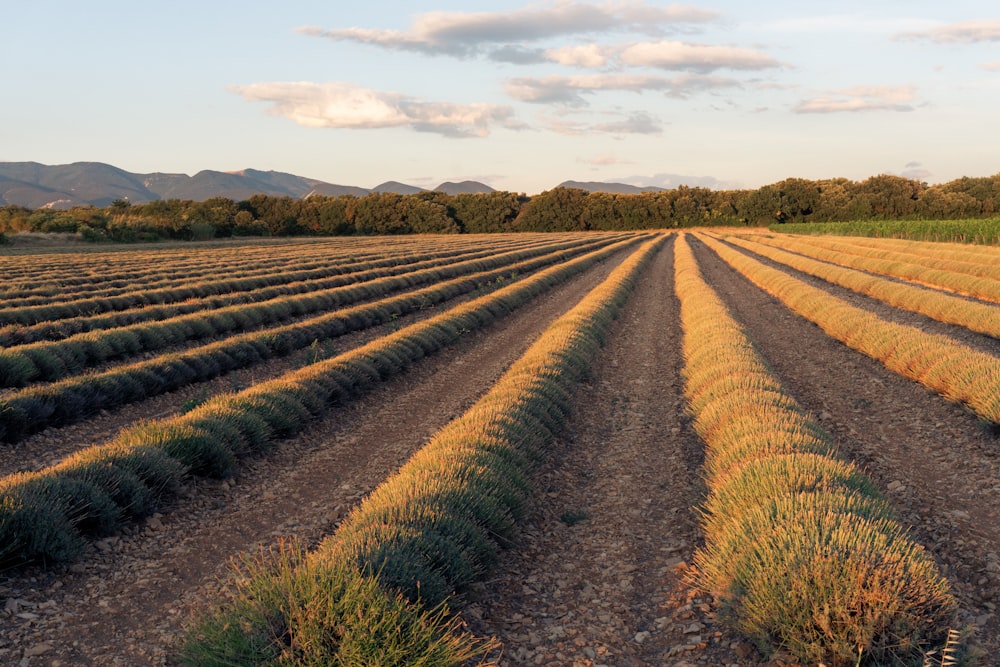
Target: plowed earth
x=600, y=574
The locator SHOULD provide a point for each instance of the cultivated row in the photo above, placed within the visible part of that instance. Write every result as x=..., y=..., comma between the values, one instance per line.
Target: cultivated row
x=96, y=279
x=54, y=360
x=802, y=552
x=973, y=260
x=139, y=295
x=973, y=315
x=963, y=283
x=955, y=371
x=67, y=401
x=45, y=515
x=83, y=268
x=429, y=531
x=347, y=272
x=156, y=273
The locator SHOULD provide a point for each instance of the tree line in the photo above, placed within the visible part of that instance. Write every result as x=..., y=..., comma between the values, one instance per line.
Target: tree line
x=882, y=197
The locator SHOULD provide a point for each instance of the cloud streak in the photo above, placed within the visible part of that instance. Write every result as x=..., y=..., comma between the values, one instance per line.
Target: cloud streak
x=591, y=56
x=861, y=98
x=962, y=32
x=570, y=90
x=617, y=124
x=345, y=105
x=673, y=55
x=468, y=34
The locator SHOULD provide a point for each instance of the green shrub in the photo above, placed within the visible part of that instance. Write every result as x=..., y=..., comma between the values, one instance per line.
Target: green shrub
x=35, y=519
x=288, y=610
x=831, y=578
x=15, y=370
x=124, y=487
x=159, y=472
x=195, y=449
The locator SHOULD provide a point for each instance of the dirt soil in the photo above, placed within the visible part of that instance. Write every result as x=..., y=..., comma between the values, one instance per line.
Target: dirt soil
x=127, y=600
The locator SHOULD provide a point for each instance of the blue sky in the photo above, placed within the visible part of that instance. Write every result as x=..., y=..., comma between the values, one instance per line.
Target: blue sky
x=520, y=95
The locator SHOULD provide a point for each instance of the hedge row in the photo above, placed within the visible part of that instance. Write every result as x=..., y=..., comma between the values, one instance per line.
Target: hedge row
x=949, y=368
x=976, y=316
x=54, y=360
x=140, y=297
x=35, y=408
x=801, y=551
x=436, y=525
x=45, y=515
x=963, y=283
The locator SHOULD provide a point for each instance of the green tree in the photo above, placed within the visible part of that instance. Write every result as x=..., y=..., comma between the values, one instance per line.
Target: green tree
x=380, y=213
x=335, y=214
x=890, y=197
x=557, y=210
x=489, y=212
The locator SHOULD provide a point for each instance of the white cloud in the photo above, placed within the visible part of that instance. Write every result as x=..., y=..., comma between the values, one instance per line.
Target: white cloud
x=617, y=124
x=570, y=90
x=340, y=104
x=991, y=66
x=861, y=98
x=673, y=55
x=467, y=34
x=962, y=32
x=582, y=55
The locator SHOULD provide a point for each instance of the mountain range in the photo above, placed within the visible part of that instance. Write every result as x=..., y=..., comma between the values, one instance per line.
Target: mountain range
x=35, y=185
x=616, y=188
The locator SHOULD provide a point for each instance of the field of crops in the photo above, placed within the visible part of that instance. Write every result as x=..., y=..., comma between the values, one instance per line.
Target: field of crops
x=737, y=448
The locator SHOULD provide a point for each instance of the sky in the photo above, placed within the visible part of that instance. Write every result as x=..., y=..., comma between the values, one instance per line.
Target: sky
x=519, y=95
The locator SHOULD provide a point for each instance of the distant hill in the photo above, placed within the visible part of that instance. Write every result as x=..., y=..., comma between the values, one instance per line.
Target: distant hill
x=397, y=187
x=616, y=188
x=464, y=188
x=37, y=185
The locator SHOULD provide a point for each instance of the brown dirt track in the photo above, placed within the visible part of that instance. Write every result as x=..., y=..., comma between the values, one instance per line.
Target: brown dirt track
x=610, y=589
